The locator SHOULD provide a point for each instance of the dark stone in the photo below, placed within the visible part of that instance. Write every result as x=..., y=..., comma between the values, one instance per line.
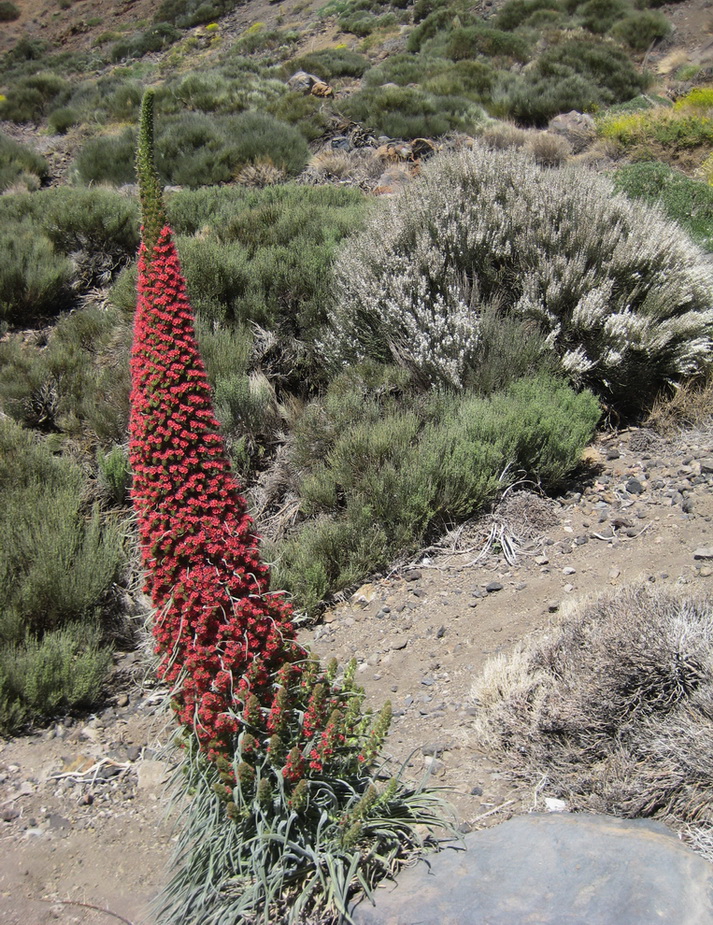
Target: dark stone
x=552, y=869
x=413, y=574
x=133, y=752
x=634, y=487
x=59, y=823
x=9, y=814
x=493, y=586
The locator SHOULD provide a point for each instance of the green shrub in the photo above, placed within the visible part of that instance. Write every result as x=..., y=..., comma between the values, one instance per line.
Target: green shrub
x=188, y=13
x=670, y=129
x=107, y=159
x=378, y=479
x=34, y=278
x=194, y=149
x=405, y=112
x=8, y=11
x=27, y=49
x=261, y=136
x=516, y=13
x=77, y=384
x=581, y=74
x=96, y=229
x=156, y=38
x=62, y=119
x=598, y=16
x=263, y=255
x=57, y=567
x=58, y=563
x=259, y=39
x=623, y=298
x=403, y=69
x=329, y=63
x=439, y=22
x=207, y=91
x=469, y=41
x=31, y=98
x=304, y=111
x=688, y=202
x=115, y=474
x=641, y=30
x=17, y=160
x=64, y=670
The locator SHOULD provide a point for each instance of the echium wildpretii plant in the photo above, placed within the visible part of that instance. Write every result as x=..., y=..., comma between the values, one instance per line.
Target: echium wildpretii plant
x=274, y=742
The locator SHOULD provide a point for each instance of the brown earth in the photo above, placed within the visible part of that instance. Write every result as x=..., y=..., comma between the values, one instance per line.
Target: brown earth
x=85, y=799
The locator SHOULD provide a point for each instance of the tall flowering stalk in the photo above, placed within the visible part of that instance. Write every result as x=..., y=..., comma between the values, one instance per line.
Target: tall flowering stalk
x=220, y=633
x=227, y=644
x=278, y=739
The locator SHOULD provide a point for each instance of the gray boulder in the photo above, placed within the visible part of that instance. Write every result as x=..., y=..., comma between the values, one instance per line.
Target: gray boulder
x=578, y=128
x=553, y=869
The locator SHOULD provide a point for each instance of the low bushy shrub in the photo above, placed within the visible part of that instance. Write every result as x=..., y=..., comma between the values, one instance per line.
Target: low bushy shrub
x=30, y=98
x=64, y=670
x=57, y=567
x=34, y=278
x=75, y=384
x=188, y=13
x=8, y=11
x=662, y=129
x=406, y=112
x=107, y=159
x=468, y=42
x=264, y=255
x=624, y=307
x=16, y=161
x=62, y=119
x=379, y=477
x=598, y=16
x=156, y=38
x=578, y=73
x=329, y=63
x=641, y=29
x=516, y=13
x=61, y=242
x=257, y=38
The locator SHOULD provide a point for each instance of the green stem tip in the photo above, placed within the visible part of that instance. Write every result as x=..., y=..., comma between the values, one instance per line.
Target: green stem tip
x=153, y=215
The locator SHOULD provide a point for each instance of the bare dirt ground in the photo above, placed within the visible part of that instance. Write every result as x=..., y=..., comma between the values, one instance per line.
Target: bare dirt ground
x=83, y=802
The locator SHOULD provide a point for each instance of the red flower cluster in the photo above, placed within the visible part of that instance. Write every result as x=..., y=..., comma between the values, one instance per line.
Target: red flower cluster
x=221, y=634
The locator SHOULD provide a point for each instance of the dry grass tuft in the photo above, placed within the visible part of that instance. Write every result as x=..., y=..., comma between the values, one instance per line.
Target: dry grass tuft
x=690, y=405
x=259, y=174
x=548, y=150
x=613, y=710
x=504, y=135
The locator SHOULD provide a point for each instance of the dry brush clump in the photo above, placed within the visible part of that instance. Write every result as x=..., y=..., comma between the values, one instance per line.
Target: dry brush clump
x=612, y=710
